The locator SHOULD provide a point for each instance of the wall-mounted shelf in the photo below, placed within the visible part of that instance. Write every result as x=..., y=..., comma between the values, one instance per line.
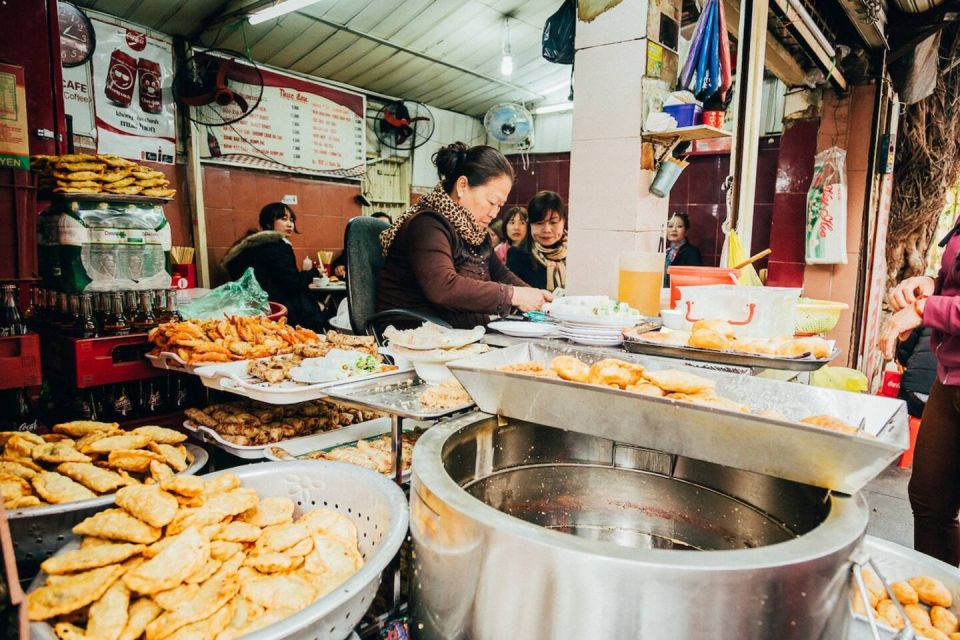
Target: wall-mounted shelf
x=686, y=134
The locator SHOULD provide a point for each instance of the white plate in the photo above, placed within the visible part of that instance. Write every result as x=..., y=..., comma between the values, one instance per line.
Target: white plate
x=523, y=329
x=594, y=332
x=431, y=336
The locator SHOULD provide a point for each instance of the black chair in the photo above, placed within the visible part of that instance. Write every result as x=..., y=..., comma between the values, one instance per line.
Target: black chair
x=365, y=258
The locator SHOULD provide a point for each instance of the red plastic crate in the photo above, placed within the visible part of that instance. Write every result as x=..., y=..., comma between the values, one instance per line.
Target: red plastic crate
x=90, y=362
x=20, y=362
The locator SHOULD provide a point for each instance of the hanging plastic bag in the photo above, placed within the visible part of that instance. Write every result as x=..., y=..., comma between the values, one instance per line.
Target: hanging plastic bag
x=559, y=34
x=840, y=378
x=826, y=241
x=242, y=297
x=736, y=254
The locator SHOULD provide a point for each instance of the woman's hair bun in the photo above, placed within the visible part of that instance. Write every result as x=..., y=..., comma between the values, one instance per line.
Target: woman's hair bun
x=479, y=164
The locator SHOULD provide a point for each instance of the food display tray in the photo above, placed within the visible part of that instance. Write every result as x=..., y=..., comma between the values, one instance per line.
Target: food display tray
x=173, y=362
x=897, y=562
x=375, y=505
x=396, y=394
x=39, y=531
x=55, y=196
x=259, y=452
x=233, y=377
x=782, y=448
x=727, y=357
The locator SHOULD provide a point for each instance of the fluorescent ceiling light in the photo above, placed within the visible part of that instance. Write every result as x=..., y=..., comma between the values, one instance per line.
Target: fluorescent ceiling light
x=506, y=64
x=280, y=8
x=554, y=108
x=557, y=87
x=506, y=60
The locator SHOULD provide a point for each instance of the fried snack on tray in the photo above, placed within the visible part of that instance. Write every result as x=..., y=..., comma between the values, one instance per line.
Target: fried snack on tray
x=447, y=395
x=373, y=454
x=82, y=460
x=251, y=423
x=243, y=338
x=925, y=600
x=672, y=384
x=190, y=584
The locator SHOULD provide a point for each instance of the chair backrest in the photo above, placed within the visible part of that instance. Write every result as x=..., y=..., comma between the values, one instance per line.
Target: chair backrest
x=361, y=241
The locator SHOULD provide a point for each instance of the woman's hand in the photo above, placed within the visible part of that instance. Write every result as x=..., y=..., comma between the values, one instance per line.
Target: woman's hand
x=340, y=272
x=898, y=327
x=907, y=292
x=530, y=299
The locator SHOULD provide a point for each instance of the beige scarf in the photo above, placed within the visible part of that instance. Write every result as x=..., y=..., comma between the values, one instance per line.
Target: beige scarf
x=555, y=260
x=438, y=200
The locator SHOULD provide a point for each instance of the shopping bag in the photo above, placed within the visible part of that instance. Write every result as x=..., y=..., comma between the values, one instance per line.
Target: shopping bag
x=826, y=233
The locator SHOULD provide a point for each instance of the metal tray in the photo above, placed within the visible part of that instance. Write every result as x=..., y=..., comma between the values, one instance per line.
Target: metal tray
x=396, y=394
x=232, y=377
x=780, y=448
x=260, y=451
x=56, y=196
x=375, y=505
x=897, y=562
x=727, y=357
x=39, y=531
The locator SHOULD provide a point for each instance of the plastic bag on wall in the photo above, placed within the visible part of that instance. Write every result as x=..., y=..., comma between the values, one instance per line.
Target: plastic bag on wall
x=826, y=241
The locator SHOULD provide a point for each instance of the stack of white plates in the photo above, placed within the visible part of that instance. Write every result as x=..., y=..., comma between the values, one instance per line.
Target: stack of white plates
x=591, y=334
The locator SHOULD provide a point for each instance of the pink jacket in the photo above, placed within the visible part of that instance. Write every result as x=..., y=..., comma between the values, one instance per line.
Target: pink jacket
x=941, y=312
x=501, y=251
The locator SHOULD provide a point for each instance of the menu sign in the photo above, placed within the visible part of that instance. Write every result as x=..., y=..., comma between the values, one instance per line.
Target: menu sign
x=132, y=75
x=78, y=99
x=300, y=125
x=14, y=143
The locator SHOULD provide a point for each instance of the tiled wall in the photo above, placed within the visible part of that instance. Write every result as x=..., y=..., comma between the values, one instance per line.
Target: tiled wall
x=846, y=123
x=545, y=172
x=698, y=193
x=233, y=199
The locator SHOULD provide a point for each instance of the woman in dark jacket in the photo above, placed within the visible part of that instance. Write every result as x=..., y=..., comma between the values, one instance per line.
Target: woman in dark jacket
x=920, y=370
x=439, y=260
x=271, y=255
x=541, y=261
x=680, y=253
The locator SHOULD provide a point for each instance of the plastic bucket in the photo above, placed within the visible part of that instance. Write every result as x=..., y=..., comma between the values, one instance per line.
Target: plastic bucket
x=692, y=276
x=277, y=311
x=666, y=177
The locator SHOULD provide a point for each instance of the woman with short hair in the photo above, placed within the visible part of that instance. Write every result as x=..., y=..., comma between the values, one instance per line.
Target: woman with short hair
x=542, y=259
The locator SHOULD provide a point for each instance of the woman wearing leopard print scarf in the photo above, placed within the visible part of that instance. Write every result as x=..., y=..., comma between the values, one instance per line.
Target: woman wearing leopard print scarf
x=439, y=261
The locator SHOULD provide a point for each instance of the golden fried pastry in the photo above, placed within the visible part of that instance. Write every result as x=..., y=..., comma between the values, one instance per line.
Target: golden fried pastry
x=614, y=373
x=115, y=161
x=674, y=381
x=930, y=633
x=129, y=190
x=646, y=389
x=158, y=192
x=709, y=339
x=672, y=338
x=532, y=368
x=79, y=166
x=76, y=176
x=570, y=368
x=944, y=619
x=873, y=584
x=718, y=326
x=918, y=615
x=817, y=347
x=931, y=591
x=889, y=614
x=829, y=422
x=904, y=592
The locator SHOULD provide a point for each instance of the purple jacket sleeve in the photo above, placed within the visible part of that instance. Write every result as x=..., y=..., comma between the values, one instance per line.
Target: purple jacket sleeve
x=942, y=313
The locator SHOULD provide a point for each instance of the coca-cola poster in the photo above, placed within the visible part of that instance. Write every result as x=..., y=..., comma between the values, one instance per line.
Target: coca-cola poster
x=132, y=76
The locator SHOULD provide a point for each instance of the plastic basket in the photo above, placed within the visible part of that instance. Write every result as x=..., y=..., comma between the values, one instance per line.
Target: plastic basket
x=818, y=316
x=376, y=506
x=277, y=311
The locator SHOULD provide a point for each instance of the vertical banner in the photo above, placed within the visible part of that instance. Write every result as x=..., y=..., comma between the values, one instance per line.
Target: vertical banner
x=78, y=99
x=132, y=76
x=14, y=140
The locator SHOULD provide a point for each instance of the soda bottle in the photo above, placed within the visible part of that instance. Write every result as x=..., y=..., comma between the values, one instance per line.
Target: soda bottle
x=122, y=404
x=11, y=321
x=63, y=312
x=152, y=399
x=73, y=302
x=115, y=323
x=86, y=325
x=130, y=304
x=31, y=315
x=172, y=311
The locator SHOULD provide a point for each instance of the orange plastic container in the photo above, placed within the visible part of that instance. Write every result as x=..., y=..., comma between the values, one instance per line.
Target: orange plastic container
x=691, y=276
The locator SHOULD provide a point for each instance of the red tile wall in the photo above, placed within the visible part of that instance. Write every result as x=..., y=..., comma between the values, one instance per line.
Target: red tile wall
x=544, y=172
x=233, y=199
x=698, y=193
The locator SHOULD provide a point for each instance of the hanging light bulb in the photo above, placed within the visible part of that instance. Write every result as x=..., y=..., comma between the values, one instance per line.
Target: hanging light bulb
x=506, y=59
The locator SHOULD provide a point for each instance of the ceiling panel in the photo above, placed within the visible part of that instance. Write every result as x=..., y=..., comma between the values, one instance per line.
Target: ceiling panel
x=436, y=50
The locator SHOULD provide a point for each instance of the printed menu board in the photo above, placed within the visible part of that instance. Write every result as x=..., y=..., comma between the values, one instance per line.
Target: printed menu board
x=301, y=126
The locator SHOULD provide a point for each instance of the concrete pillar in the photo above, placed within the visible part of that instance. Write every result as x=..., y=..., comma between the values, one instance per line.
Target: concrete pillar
x=611, y=209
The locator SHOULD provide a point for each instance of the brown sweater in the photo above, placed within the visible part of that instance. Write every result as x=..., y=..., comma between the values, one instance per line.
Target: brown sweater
x=430, y=269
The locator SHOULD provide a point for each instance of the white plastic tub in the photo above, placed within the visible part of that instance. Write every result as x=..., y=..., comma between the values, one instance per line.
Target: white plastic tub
x=753, y=312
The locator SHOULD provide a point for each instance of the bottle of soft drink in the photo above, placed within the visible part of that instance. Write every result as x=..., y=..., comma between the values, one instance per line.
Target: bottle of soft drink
x=11, y=321
x=86, y=325
x=144, y=320
x=172, y=311
x=116, y=324
x=31, y=315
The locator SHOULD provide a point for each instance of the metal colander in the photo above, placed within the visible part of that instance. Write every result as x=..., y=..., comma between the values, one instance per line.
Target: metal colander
x=376, y=506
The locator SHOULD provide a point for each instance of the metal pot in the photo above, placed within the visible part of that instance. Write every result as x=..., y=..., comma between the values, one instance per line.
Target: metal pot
x=528, y=531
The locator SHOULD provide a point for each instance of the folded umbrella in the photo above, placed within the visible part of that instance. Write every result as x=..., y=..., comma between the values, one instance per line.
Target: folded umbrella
x=686, y=75
x=726, y=73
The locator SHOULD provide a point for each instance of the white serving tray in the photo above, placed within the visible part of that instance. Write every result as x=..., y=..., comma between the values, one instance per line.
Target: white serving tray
x=332, y=439
x=173, y=362
x=233, y=377
x=260, y=452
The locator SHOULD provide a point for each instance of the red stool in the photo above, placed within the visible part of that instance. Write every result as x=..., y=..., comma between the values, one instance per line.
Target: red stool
x=906, y=460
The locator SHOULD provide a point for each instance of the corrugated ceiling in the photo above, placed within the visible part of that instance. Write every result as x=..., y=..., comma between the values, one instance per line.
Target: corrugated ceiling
x=442, y=52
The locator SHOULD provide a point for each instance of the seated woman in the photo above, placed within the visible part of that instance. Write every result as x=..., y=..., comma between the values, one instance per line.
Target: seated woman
x=439, y=260
x=541, y=261
x=271, y=255
x=515, y=228
x=680, y=253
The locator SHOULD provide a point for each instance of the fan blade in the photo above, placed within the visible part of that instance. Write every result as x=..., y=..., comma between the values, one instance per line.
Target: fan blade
x=394, y=120
x=419, y=119
x=241, y=102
